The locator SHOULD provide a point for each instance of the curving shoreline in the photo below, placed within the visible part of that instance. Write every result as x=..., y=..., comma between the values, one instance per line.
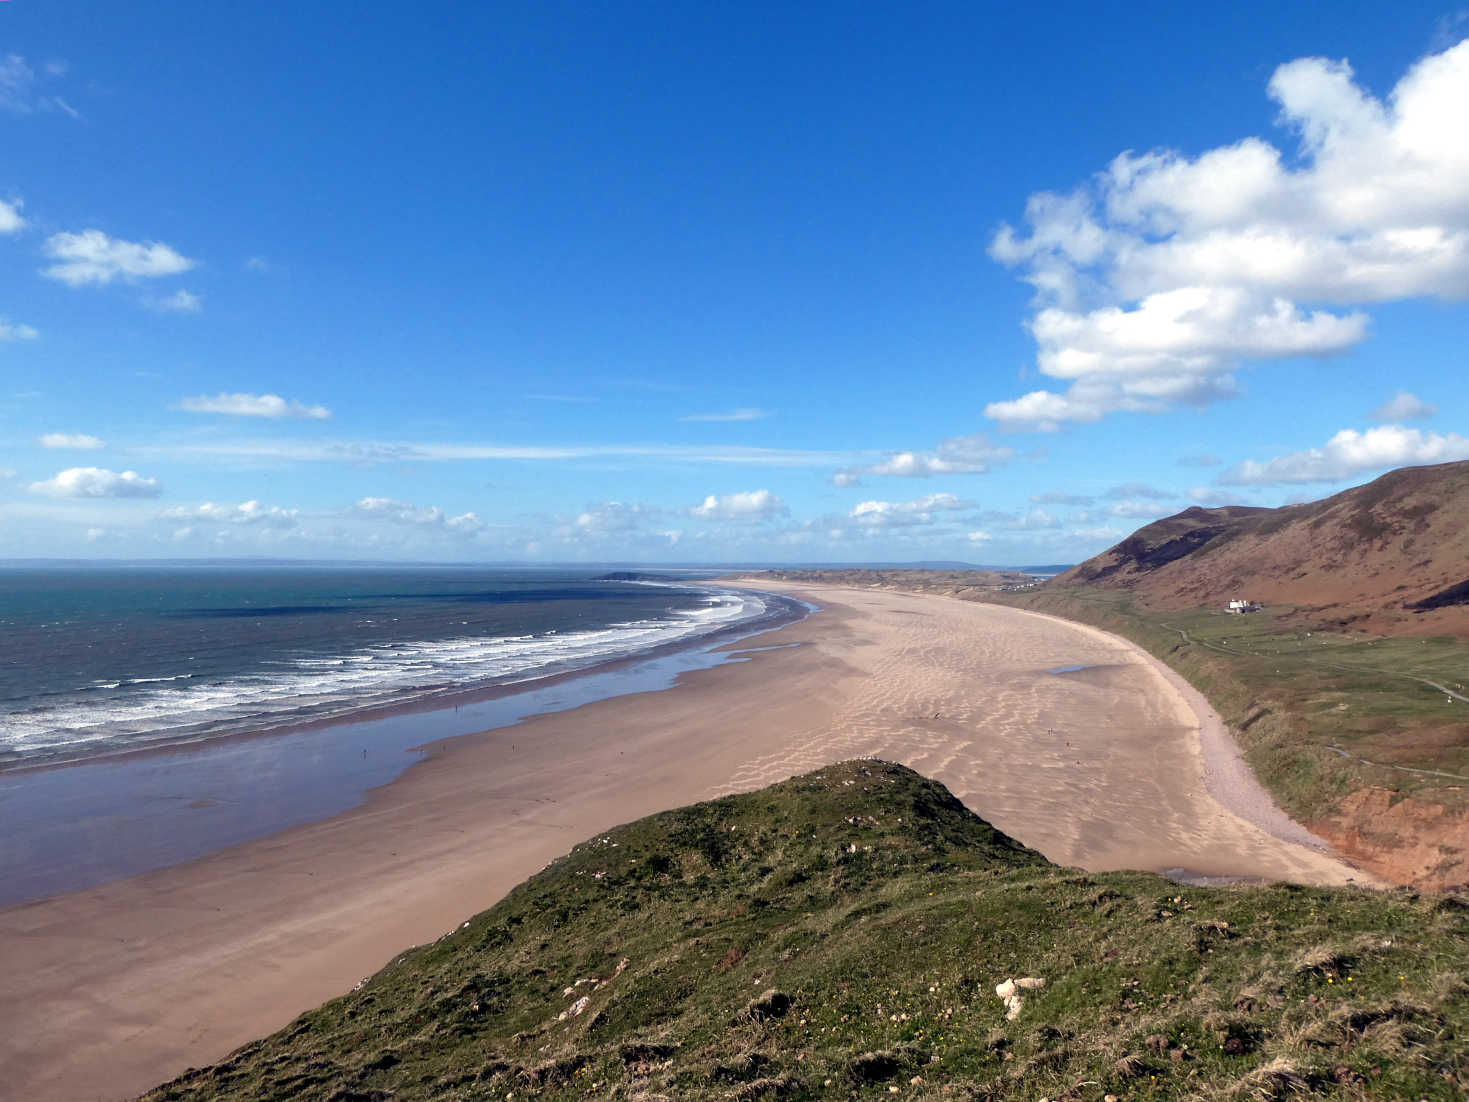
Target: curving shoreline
x=129, y=983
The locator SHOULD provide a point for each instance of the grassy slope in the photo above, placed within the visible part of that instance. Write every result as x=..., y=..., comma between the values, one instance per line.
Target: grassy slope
x=841, y=934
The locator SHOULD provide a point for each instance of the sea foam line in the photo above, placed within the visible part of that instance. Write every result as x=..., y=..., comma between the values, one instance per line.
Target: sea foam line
x=141, y=710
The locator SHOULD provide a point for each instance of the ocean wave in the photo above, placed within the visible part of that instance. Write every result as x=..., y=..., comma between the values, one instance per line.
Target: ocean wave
x=105, y=715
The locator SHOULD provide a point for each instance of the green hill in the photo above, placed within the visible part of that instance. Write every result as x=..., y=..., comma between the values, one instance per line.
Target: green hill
x=841, y=935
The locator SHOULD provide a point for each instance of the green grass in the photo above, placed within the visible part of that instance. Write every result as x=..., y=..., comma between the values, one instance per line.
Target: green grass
x=840, y=935
x=1310, y=708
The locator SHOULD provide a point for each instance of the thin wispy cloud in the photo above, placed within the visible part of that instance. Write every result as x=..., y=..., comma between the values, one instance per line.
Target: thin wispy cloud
x=745, y=414
x=12, y=331
x=74, y=441
x=23, y=89
x=384, y=451
x=253, y=405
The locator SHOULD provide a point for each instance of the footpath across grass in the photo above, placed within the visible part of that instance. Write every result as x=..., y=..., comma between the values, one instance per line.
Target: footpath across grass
x=842, y=934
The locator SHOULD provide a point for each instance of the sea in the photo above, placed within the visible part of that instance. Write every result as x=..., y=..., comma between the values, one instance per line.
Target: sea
x=101, y=660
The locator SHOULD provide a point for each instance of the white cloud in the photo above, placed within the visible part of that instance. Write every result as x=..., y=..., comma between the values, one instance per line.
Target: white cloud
x=1350, y=453
x=1199, y=461
x=391, y=451
x=752, y=504
x=97, y=482
x=93, y=257
x=1161, y=275
x=1210, y=497
x=613, y=516
x=257, y=264
x=253, y=405
x=8, y=474
x=1033, y=520
x=20, y=87
x=956, y=455
x=887, y=514
x=180, y=302
x=1135, y=509
x=747, y=414
x=1403, y=406
x=247, y=512
x=11, y=331
x=76, y=441
x=979, y=536
x=10, y=219
x=401, y=512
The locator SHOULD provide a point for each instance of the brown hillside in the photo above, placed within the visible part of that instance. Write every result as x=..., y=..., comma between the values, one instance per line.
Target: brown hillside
x=1391, y=557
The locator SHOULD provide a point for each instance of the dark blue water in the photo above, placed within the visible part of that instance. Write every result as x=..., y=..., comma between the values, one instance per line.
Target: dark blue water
x=97, y=660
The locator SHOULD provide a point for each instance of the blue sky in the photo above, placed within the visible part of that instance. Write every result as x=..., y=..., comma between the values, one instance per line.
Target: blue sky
x=716, y=282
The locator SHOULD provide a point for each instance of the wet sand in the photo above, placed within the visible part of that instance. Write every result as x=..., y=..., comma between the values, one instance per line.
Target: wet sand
x=1111, y=765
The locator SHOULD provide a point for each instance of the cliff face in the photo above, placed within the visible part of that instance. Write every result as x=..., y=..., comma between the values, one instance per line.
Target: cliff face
x=1390, y=557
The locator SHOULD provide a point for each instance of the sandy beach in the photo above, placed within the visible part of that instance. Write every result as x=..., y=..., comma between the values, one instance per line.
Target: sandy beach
x=1111, y=763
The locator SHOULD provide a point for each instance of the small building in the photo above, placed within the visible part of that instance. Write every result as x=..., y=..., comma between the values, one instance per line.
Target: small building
x=1239, y=607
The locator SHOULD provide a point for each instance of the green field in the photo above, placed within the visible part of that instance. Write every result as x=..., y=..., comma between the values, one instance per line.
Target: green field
x=840, y=935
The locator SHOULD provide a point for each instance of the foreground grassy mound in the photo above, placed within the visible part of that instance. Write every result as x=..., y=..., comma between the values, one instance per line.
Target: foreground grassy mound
x=841, y=935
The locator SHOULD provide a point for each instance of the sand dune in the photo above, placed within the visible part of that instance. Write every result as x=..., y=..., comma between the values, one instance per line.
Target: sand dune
x=1110, y=766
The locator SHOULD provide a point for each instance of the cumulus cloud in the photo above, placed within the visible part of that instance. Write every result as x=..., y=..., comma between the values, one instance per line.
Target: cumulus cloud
x=13, y=331
x=180, y=302
x=247, y=512
x=10, y=219
x=956, y=455
x=431, y=516
x=1156, y=279
x=253, y=405
x=750, y=505
x=745, y=414
x=1403, y=406
x=76, y=441
x=613, y=516
x=97, y=482
x=1350, y=453
x=93, y=257
x=889, y=514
